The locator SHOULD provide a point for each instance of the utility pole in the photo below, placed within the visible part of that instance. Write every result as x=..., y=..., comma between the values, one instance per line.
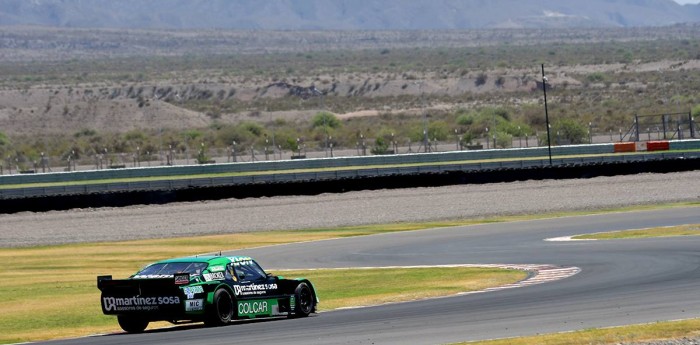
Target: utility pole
x=546, y=115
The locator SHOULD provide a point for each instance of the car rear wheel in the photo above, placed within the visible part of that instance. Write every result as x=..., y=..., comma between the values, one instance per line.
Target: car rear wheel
x=132, y=324
x=221, y=311
x=304, y=299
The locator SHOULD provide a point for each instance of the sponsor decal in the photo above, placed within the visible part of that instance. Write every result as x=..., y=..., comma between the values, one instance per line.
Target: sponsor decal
x=257, y=307
x=240, y=258
x=241, y=261
x=152, y=276
x=216, y=268
x=214, y=276
x=253, y=289
x=182, y=279
x=292, y=303
x=194, y=304
x=136, y=303
x=191, y=290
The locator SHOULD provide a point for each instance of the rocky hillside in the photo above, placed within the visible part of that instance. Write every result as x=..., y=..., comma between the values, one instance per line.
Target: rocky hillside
x=345, y=14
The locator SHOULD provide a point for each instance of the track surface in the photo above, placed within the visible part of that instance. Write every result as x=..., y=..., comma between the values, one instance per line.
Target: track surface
x=621, y=282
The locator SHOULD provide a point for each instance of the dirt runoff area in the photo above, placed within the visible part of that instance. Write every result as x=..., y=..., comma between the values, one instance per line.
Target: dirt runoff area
x=353, y=208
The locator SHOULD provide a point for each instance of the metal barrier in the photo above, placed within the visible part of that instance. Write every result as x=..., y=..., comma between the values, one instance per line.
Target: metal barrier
x=315, y=163
x=323, y=175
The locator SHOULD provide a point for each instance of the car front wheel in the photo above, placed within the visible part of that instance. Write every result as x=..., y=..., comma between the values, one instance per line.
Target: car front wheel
x=304, y=299
x=221, y=311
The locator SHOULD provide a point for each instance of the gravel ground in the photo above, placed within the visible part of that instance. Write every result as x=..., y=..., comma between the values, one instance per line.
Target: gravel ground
x=680, y=341
x=354, y=208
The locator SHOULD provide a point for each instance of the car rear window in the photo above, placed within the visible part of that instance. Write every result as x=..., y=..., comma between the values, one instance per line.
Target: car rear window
x=169, y=269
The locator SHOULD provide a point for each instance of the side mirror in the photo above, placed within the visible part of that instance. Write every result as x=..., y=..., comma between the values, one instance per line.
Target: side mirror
x=241, y=276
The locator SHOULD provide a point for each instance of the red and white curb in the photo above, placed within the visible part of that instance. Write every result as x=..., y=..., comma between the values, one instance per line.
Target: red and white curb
x=540, y=274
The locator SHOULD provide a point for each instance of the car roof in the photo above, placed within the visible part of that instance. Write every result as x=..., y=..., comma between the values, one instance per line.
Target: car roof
x=208, y=259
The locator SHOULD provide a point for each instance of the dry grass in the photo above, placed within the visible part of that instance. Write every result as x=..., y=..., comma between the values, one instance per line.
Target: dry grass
x=605, y=336
x=666, y=231
x=50, y=292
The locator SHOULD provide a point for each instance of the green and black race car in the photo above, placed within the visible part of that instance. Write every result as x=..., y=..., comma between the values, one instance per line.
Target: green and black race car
x=212, y=289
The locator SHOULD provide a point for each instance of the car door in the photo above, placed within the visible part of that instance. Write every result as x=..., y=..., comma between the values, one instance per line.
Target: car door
x=251, y=281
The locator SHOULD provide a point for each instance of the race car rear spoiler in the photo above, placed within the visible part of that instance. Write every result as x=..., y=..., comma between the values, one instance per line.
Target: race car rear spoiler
x=152, y=296
x=177, y=279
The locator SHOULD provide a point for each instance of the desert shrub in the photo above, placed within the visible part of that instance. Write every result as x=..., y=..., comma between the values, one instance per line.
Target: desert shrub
x=85, y=132
x=595, y=77
x=481, y=79
x=325, y=119
x=696, y=112
x=503, y=140
x=438, y=130
x=466, y=119
x=570, y=130
x=381, y=146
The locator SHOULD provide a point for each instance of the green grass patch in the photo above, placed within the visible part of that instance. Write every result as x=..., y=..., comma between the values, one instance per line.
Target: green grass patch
x=666, y=231
x=603, y=336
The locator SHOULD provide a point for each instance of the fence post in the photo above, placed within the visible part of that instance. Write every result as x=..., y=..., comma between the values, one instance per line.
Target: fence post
x=663, y=122
x=692, y=127
x=636, y=127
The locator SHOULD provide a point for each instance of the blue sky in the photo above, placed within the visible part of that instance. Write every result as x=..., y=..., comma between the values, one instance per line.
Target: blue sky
x=687, y=1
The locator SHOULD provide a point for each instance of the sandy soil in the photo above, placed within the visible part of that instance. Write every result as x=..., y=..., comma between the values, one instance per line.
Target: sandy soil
x=355, y=208
x=113, y=107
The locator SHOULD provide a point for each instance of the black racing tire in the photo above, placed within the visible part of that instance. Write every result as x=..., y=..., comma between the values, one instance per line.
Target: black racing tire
x=131, y=324
x=305, y=301
x=221, y=311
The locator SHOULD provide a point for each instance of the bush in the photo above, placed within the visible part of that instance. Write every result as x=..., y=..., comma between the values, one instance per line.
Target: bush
x=465, y=119
x=596, y=77
x=504, y=140
x=696, y=112
x=4, y=141
x=323, y=119
x=381, y=146
x=571, y=131
x=438, y=130
x=481, y=79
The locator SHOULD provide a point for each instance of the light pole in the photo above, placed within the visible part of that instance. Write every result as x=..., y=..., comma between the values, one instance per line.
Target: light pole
x=487, y=138
x=546, y=115
x=457, y=139
x=425, y=118
x=520, y=138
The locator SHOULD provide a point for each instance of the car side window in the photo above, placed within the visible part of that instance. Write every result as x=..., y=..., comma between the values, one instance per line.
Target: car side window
x=231, y=273
x=249, y=271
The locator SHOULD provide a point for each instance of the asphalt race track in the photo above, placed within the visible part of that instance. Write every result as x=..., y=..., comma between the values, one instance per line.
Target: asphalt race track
x=621, y=282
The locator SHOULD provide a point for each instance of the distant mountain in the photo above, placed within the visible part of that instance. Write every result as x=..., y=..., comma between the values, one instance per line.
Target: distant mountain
x=345, y=14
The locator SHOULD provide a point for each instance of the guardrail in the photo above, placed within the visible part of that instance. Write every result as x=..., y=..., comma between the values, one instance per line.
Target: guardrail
x=313, y=163
x=325, y=175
